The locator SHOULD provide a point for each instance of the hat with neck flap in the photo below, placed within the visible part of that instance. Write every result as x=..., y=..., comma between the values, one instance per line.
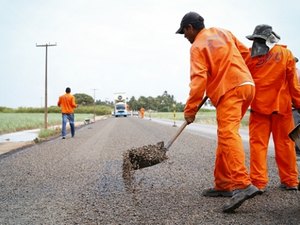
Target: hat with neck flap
x=264, y=38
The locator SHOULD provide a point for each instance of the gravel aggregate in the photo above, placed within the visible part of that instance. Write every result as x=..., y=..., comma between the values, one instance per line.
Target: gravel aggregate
x=80, y=181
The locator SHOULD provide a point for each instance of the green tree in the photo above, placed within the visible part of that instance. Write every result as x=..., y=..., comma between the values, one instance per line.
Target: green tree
x=143, y=102
x=133, y=104
x=161, y=103
x=165, y=102
x=105, y=103
x=151, y=103
x=83, y=99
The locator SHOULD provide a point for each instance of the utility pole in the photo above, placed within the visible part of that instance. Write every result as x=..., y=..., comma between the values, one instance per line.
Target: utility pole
x=94, y=104
x=46, y=84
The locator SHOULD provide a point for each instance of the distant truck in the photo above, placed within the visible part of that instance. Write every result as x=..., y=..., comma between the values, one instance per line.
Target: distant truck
x=120, y=106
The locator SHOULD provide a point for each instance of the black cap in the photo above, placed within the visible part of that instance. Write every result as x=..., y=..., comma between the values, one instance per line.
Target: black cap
x=262, y=31
x=189, y=18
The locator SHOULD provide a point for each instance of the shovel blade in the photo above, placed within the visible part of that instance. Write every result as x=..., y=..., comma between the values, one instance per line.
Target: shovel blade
x=145, y=156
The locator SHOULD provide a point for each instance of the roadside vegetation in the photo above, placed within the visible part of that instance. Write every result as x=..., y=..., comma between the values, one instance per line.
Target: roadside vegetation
x=45, y=133
x=162, y=107
x=12, y=120
x=16, y=121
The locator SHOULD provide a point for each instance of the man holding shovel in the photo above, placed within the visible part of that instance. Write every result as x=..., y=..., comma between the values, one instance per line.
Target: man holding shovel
x=277, y=89
x=217, y=67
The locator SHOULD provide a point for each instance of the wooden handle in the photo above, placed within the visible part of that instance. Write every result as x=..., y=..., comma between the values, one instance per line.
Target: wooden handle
x=181, y=128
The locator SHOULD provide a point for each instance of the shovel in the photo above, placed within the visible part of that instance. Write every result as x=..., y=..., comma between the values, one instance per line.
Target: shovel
x=295, y=135
x=137, y=158
x=181, y=128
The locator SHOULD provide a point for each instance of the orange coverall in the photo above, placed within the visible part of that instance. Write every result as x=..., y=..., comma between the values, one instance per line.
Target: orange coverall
x=67, y=103
x=277, y=88
x=218, y=67
x=142, y=112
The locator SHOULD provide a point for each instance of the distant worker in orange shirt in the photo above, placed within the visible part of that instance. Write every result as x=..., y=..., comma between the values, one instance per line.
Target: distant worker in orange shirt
x=142, y=112
x=67, y=104
x=217, y=67
x=274, y=72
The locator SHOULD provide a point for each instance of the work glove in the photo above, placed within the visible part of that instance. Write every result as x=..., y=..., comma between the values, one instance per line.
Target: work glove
x=189, y=119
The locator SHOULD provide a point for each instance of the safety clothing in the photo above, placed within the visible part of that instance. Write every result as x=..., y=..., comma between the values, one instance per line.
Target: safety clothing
x=218, y=67
x=142, y=112
x=230, y=171
x=260, y=128
x=213, y=72
x=67, y=103
x=275, y=79
x=276, y=88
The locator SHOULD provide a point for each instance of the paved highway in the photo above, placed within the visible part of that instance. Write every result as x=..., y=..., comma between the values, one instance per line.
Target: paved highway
x=79, y=181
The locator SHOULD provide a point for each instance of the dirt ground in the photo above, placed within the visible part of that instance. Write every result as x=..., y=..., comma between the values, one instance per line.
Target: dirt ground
x=8, y=146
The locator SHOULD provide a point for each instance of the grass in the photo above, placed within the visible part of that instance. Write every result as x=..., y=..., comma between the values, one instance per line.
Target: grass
x=44, y=133
x=12, y=122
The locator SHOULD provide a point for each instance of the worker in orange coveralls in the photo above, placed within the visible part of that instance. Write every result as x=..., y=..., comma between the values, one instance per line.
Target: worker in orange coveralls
x=217, y=67
x=142, y=112
x=274, y=73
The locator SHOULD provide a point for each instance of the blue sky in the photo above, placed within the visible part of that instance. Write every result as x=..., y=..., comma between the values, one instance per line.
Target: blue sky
x=117, y=45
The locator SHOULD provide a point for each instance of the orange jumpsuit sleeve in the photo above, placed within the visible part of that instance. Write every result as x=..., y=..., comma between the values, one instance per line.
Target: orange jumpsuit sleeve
x=294, y=85
x=197, y=84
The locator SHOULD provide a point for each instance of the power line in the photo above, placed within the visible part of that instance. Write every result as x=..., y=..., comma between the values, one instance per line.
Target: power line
x=94, y=103
x=46, y=80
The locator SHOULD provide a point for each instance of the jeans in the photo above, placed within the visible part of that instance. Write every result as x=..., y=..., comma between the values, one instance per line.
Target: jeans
x=66, y=117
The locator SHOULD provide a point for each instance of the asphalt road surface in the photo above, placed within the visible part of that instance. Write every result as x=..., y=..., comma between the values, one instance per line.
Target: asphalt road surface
x=79, y=181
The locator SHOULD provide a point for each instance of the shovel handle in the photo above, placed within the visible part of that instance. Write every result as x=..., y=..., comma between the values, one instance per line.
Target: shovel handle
x=181, y=128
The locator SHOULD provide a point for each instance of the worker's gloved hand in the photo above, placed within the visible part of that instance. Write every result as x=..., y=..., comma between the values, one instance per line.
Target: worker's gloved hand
x=189, y=119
